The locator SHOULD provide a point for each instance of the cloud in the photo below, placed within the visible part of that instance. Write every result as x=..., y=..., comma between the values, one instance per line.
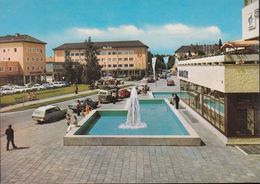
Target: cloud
x=161, y=38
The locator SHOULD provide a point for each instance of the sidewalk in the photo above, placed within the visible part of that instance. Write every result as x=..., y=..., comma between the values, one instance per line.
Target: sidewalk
x=7, y=108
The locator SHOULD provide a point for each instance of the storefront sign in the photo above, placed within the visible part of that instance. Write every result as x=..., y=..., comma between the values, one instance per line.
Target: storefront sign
x=183, y=73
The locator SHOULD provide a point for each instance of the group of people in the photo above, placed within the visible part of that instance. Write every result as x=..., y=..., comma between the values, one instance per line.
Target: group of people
x=84, y=108
x=175, y=100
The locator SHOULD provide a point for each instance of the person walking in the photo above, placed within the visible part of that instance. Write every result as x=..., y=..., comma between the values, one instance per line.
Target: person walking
x=10, y=137
x=177, y=99
x=79, y=107
x=76, y=89
x=68, y=119
x=114, y=97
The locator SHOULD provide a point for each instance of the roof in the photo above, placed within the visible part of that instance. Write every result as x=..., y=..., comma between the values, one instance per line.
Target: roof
x=99, y=45
x=196, y=48
x=19, y=38
x=240, y=43
x=43, y=108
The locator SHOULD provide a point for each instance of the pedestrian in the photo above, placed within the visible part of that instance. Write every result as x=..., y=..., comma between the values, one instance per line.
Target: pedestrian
x=76, y=89
x=75, y=120
x=68, y=119
x=79, y=107
x=87, y=110
x=172, y=99
x=114, y=97
x=10, y=137
x=177, y=99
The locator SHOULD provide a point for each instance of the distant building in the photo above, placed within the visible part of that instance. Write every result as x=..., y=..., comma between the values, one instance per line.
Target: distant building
x=195, y=50
x=122, y=58
x=22, y=59
x=55, y=71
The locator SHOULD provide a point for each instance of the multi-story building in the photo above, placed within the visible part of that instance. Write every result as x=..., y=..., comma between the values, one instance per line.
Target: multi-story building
x=188, y=51
x=22, y=59
x=122, y=58
x=225, y=89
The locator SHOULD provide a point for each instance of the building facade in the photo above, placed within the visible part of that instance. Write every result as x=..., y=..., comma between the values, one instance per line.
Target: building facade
x=121, y=58
x=224, y=89
x=22, y=59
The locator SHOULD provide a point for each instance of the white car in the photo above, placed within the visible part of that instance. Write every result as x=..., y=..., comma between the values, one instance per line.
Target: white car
x=48, y=113
x=6, y=91
x=18, y=89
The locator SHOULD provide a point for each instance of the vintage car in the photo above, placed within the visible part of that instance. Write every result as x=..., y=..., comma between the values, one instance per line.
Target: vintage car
x=150, y=80
x=48, y=113
x=124, y=93
x=105, y=95
x=170, y=83
x=84, y=102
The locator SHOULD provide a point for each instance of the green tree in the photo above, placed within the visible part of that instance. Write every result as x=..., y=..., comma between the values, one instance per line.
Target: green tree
x=171, y=61
x=69, y=73
x=91, y=69
x=219, y=44
x=78, y=69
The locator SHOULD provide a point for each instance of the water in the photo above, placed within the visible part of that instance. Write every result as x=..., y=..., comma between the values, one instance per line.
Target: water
x=133, y=117
x=160, y=120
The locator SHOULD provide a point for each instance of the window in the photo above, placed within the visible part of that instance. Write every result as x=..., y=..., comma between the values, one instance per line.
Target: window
x=131, y=59
x=37, y=59
x=109, y=66
x=114, y=66
x=28, y=59
x=109, y=59
x=82, y=54
x=76, y=54
x=3, y=50
x=125, y=52
x=15, y=49
x=32, y=59
x=41, y=59
x=119, y=52
x=131, y=52
x=119, y=65
x=9, y=68
x=120, y=59
x=1, y=69
x=28, y=68
x=8, y=59
x=72, y=54
x=126, y=65
x=114, y=59
x=131, y=65
x=125, y=59
x=109, y=53
x=40, y=50
x=32, y=67
x=114, y=53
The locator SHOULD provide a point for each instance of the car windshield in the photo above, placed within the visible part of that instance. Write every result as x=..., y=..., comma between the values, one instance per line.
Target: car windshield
x=39, y=112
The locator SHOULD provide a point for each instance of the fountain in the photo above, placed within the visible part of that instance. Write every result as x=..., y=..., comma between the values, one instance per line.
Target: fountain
x=133, y=116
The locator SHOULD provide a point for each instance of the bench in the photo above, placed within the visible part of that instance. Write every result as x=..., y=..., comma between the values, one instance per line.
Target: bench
x=19, y=100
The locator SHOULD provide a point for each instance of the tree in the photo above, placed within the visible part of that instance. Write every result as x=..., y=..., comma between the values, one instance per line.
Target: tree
x=171, y=61
x=91, y=69
x=69, y=71
x=150, y=68
x=219, y=44
x=78, y=68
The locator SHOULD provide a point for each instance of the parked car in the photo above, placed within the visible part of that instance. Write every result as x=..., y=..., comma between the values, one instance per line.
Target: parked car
x=141, y=86
x=6, y=91
x=124, y=93
x=48, y=113
x=150, y=80
x=39, y=87
x=84, y=102
x=170, y=83
x=105, y=95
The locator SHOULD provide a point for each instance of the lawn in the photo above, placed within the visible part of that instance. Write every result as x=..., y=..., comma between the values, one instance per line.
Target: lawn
x=11, y=99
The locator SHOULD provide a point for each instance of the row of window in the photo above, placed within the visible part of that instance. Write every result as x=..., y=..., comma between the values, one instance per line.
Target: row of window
x=8, y=50
x=119, y=65
x=76, y=54
x=10, y=69
x=34, y=59
x=114, y=52
x=33, y=68
x=116, y=59
x=34, y=50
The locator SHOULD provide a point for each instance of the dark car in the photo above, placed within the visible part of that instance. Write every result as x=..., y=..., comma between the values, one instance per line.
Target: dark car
x=124, y=93
x=105, y=95
x=84, y=102
x=170, y=83
x=150, y=80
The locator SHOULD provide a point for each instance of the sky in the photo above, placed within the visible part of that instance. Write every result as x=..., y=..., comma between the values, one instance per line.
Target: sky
x=163, y=25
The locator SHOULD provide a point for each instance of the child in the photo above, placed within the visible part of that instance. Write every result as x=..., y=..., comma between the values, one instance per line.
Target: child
x=68, y=119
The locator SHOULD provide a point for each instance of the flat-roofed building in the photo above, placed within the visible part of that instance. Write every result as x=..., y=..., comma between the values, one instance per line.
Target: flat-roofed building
x=22, y=59
x=122, y=58
x=224, y=89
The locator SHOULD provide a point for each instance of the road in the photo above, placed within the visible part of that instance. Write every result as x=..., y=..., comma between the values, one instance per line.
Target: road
x=23, y=119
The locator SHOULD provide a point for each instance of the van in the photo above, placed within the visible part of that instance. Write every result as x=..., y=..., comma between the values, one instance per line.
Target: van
x=105, y=95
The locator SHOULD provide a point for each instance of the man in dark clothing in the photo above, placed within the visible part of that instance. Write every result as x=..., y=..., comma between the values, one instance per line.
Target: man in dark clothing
x=10, y=137
x=177, y=99
x=79, y=107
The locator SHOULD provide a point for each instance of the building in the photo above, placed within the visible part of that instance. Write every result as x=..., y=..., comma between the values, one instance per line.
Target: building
x=250, y=20
x=224, y=89
x=22, y=59
x=188, y=51
x=121, y=58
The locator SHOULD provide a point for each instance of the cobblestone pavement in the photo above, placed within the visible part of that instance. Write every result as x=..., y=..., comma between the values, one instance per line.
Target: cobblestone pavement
x=44, y=159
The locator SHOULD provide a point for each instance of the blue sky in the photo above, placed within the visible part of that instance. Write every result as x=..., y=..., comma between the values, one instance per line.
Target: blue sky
x=164, y=25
